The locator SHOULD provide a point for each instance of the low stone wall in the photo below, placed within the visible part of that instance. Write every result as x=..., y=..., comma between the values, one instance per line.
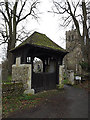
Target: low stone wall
x=69, y=75
x=12, y=88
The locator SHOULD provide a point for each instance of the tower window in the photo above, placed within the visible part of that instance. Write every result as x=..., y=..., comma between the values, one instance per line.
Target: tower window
x=69, y=38
x=72, y=37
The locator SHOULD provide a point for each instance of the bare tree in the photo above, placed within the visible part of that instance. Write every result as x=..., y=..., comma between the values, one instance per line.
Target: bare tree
x=12, y=14
x=76, y=11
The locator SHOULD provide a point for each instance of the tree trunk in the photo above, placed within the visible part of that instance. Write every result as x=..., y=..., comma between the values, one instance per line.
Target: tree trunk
x=10, y=62
x=89, y=54
x=12, y=40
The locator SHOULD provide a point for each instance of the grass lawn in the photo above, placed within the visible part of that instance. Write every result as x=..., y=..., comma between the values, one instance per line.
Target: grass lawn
x=12, y=103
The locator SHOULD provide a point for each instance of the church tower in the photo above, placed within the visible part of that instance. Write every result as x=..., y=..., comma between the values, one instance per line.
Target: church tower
x=73, y=58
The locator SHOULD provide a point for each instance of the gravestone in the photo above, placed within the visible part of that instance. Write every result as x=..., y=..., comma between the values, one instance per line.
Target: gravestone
x=71, y=77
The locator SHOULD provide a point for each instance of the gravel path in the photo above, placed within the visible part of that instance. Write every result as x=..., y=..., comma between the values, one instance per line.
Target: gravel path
x=71, y=103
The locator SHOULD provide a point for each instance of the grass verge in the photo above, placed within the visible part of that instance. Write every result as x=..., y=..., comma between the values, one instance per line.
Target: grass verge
x=12, y=103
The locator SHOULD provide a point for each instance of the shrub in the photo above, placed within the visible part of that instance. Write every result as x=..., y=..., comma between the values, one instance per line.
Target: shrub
x=85, y=66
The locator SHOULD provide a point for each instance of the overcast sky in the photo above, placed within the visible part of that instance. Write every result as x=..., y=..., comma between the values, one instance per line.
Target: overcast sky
x=48, y=24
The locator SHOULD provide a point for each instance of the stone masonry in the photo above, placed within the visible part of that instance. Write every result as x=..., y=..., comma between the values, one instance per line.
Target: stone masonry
x=70, y=76
x=74, y=57
x=61, y=77
x=22, y=73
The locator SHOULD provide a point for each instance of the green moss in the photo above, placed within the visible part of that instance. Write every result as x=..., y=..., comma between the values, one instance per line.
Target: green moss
x=60, y=86
x=65, y=81
x=41, y=40
x=9, y=78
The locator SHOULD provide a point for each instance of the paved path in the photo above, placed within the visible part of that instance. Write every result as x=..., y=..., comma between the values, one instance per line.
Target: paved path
x=71, y=103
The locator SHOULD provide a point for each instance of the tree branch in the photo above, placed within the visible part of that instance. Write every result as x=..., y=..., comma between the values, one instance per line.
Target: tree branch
x=33, y=6
x=57, y=5
x=21, y=11
x=74, y=19
x=4, y=16
x=75, y=8
x=3, y=43
x=7, y=9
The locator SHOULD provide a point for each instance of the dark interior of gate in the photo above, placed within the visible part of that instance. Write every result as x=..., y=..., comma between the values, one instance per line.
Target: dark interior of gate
x=47, y=78
x=44, y=81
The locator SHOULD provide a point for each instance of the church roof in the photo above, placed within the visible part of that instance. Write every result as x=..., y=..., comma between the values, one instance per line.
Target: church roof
x=40, y=40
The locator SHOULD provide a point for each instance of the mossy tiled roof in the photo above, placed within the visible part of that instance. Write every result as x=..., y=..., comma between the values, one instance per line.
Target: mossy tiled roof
x=41, y=40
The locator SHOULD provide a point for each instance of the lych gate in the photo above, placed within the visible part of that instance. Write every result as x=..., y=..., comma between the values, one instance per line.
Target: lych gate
x=40, y=46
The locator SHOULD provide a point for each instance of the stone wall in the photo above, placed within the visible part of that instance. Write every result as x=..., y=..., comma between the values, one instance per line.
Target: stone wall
x=69, y=76
x=12, y=89
x=71, y=40
x=22, y=73
x=73, y=59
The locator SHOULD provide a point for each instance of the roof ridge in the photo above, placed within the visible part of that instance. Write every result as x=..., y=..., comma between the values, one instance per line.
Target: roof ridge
x=41, y=40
